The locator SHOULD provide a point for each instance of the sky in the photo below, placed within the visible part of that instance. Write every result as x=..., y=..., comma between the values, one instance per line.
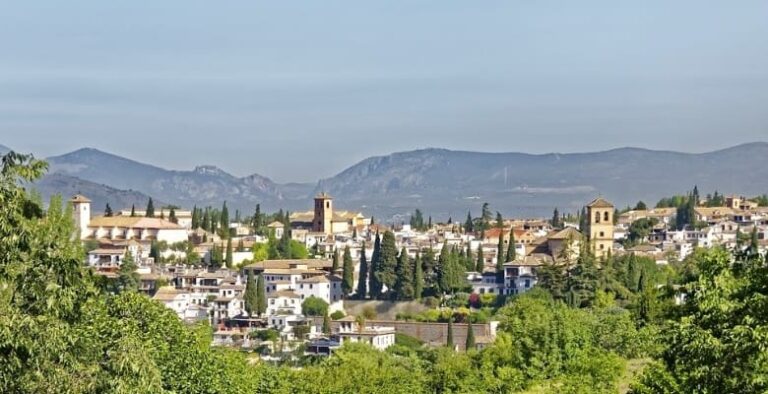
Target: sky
x=300, y=90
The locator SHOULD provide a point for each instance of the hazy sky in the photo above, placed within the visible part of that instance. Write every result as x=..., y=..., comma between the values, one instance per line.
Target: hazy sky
x=300, y=90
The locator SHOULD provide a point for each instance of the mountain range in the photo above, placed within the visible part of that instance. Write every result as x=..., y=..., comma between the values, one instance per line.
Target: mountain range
x=442, y=183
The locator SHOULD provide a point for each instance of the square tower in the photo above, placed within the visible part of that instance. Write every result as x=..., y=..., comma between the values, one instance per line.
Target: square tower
x=323, y=214
x=600, y=218
x=81, y=209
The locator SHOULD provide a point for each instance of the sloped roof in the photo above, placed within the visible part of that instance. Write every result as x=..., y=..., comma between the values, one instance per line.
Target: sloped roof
x=133, y=222
x=600, y=203
x=79, y=198
x=567, y=233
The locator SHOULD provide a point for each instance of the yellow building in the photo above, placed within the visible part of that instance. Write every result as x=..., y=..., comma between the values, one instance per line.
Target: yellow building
x=600, y=229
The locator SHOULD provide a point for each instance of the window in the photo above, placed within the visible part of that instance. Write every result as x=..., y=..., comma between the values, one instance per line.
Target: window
x=602, y=234
x=606, y=217
x=327, y=204
x=527, y=283
x=597, y=217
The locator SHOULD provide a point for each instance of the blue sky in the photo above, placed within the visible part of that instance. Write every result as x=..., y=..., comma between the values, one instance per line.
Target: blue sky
x=300, y=90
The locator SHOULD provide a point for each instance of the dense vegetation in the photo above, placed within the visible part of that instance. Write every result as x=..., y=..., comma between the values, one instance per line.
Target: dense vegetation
x=62, y=330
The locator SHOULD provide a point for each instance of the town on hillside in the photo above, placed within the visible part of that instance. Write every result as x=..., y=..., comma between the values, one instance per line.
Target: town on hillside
x=292, y=284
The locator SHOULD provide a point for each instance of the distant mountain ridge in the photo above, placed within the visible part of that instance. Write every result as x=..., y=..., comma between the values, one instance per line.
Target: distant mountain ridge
x=440, y=182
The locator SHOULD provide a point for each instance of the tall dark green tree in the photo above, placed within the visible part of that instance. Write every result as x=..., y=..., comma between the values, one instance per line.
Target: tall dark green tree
x=133, y=210
x=172, y=216
x=261, y=293
x=470, y=342
x=449, y=339
x=552, y=277
x=469, y=225
x=404, y=280
x=251, y=296
x=500, y=259
x=375, y=282
x=154, y=251
x=348, y=279
x=326, y=324
x=480, y=264
x=224, y=220
x=511, y=254
x=335, y=263
x=229, y=253
x=150, y=211
x=108, y=211
x=387, y=268
x=362, y=285
x=418, y=277
x=556, y=219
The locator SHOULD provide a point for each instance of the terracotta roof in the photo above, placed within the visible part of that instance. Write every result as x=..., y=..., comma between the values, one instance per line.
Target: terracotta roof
x=286, y=264
x=78, y=198
x=166, y=293
x=567, y=233
x=283, y=293
x=315, y=279
x=133, y=222
x=600, y=203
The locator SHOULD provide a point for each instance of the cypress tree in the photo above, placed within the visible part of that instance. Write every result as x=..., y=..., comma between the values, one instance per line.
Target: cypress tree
x=195, y=218
x=418, y=277
x=375, y=284
x=387, y=265
x=469, y=225
x=172, y=216
x=261, y=293
x=500, y=251
x=348, y=278
x=133, y=210
x=362, y=286
x=511, y=251
x=404, y=281
x=471, y=259
x=449, y=340
x=224, y=220
x=556, y=219
x=326, y=324
x=154, y=251
x=251, y=296
x=150, y=213
x=443, y=269
x=335, y=265
x=753, y=244
x=470, y=344
x=128, y=279
x=229, y=253
x=480, y=265
x=108, y=211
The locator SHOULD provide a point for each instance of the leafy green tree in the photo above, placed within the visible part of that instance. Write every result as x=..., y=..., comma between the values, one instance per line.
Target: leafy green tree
x=552, y=277
x=127, y=277
x=172, y=216
x=347, y=283
x=449, y=338
x=261, y=294
x=150, y=211
x=314, y=306
x=640, y=206
x=362, y=285
x=403, y=289
x=108, y=211
x=251, y=296
x=154, y=251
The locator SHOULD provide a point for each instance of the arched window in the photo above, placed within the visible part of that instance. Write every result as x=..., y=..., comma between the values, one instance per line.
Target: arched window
x=606, y=217
x=597, y=217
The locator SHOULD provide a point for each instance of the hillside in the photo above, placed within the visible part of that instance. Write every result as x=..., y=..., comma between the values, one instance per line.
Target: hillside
x=99, y=194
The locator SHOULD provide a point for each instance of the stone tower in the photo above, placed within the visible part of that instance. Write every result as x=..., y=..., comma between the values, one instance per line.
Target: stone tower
x=323, y=214
x=600, y=218
x=82, y=212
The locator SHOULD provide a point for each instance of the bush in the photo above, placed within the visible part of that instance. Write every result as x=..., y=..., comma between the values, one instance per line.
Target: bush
x=337, y=315
x=431, y=302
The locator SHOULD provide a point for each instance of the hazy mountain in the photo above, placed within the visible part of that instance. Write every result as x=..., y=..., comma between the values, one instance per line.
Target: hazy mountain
x=205, y=185
x=443, y=182
x=4, y=149
x=440, y=182
x=100, y=195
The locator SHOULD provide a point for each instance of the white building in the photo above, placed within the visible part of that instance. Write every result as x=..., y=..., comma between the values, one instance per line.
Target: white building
x=116, y=228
